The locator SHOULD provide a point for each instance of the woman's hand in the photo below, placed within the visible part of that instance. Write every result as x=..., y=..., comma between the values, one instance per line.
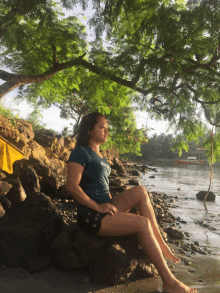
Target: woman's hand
x=107, y=208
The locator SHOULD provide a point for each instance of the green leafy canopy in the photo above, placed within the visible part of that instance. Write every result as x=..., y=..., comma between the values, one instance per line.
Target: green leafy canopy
x=162, y=56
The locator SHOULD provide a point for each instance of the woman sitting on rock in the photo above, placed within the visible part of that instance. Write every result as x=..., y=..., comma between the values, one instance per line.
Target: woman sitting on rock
x=98, y=213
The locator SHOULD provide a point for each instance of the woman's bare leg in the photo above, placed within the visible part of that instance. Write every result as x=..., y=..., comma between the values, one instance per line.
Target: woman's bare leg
x=124, y=224
x=138, y=196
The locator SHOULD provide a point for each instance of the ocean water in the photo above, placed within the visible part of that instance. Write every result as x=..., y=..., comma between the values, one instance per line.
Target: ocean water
x=190, y=179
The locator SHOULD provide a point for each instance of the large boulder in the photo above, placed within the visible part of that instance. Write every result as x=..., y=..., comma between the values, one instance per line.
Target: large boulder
x=201, y=195
x=57, y=166
x=36, y=151
x=111, y=155
x=69, y=143
x=4, y=187
x=38, y=263
x=115, y=182
x=27, y=176
x=65, y=156
x=49, y=184
x=5, y=202
x=52, y=142
x=39, y=166
x=117, y=164
x=56, y=177
x=46, y=178
x=110, y=260
x=135, y=173
x=26, y=231
x=115, y=266
x=17, y=192
x=133, y=181
x=25, y=129
x=68, y=259
x=45, y=137
x=175, y=233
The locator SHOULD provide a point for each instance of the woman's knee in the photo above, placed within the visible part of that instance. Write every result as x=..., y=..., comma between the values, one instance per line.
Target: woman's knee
x=142, y=192
x=144, y=224
x=139, y=189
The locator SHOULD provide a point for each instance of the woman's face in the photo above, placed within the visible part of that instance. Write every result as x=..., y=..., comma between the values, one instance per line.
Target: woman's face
x=99, y=134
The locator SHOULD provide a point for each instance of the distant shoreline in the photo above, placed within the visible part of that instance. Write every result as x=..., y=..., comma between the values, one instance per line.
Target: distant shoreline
x=155, y=161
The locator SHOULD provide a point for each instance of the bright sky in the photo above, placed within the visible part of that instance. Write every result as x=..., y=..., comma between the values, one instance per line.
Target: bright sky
x=51, y=117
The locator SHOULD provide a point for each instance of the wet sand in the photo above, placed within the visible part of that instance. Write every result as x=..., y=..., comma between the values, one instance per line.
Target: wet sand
x=203, y=274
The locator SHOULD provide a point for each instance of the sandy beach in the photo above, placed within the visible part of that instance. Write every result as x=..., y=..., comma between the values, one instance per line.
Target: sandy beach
x=199, y=275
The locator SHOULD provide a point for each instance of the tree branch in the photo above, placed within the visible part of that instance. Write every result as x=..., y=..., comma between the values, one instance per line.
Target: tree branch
x=199, y=101
x=7, y=87
x=15, y=80
x=139, y=71
x=18, y=80
x=207, y=66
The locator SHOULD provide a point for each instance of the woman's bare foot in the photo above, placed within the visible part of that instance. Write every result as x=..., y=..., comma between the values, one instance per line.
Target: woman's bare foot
x=168, y=254
x=178, y=287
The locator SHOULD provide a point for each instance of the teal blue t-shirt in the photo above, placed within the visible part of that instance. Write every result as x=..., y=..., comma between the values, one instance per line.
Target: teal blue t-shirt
x=95, y=177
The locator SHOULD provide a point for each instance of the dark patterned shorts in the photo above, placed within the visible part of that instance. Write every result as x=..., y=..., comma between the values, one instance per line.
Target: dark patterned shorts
x=91, y=222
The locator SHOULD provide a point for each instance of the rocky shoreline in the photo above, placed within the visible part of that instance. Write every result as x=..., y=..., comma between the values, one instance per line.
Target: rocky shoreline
x=38, y=229
x=73, y=249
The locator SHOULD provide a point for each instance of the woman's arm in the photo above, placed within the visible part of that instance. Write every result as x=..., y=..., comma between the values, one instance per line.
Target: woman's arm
x=74, y=175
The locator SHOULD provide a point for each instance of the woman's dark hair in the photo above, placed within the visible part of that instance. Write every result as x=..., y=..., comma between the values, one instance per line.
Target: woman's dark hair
x=87, y=124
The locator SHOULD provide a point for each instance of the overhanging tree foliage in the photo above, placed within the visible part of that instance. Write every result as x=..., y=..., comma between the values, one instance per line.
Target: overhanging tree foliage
x=166, y=51
x=91, y=94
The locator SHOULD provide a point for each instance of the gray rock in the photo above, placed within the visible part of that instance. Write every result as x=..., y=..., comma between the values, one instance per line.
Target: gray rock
x=47, y=138
x=115, y=266
x=84, y=241
x=175, y=233
x=115, y=182
x=4, y=187
x=28, y=178
x=152, y=177
x=117, y=164
x=144, y=169
x=5, y=202
x=135, y=173
x=134, y=181
x=192, y=270
x=26, y=230
x=113, y=174
x=64, y=239
x=201, y=195
x=68, y=259
x=195, y=248
x=187, y=262
x=115, y=190
x=37, y=264
x=110, y=260
x=49, y=184
x=16, y=193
